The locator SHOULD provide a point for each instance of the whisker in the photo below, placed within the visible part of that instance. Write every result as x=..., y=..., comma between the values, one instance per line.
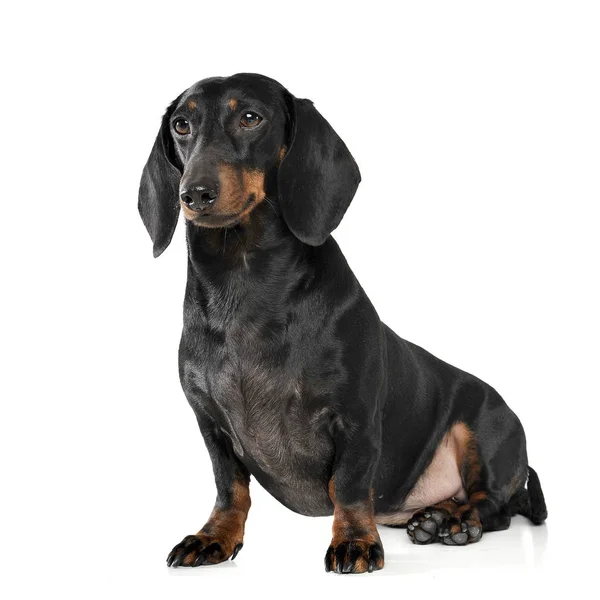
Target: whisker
x=270, y=203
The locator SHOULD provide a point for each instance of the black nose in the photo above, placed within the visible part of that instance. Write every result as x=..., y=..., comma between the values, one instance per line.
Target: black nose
x=199, y=197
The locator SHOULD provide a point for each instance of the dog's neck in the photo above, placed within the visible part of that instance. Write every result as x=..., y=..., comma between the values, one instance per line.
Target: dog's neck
x=247, y=271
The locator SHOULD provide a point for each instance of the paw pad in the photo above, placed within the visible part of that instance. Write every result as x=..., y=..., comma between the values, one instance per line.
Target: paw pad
x=424, y=526
x=438, y=525
x=460, y=533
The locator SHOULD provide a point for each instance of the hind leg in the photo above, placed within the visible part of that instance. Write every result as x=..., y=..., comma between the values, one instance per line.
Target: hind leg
x=486, y=508
x=491, y=468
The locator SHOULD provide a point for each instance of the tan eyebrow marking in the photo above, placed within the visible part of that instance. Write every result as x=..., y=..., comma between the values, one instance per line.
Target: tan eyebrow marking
x=192, y=104
x=232, y=103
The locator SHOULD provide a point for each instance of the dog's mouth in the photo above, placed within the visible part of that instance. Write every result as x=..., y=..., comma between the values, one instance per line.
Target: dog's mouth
x=216, y=220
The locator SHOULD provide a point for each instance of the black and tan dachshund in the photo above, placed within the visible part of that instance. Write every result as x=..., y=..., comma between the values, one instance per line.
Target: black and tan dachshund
x=291, y=374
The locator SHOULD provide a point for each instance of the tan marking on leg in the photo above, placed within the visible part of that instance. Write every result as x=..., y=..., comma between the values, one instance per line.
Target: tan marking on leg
x=467, y=457
x=450, y=506
x=225, y=526
x=477, y=497
x=354, y=523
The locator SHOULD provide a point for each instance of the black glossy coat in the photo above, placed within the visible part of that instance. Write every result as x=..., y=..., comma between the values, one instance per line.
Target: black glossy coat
x=291, y=374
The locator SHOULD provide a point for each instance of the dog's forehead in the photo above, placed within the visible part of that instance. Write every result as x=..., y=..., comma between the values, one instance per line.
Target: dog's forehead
x=230, y=90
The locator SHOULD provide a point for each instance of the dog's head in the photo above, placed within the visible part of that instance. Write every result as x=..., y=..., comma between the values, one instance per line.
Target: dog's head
x=227, y=144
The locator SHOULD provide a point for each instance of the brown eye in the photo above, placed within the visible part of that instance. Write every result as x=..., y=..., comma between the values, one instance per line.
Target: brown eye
x=250, y=119
x=181, y=126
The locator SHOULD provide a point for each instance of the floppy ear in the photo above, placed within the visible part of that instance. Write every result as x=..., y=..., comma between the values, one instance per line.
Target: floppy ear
x=158, y=200
x=317, y=178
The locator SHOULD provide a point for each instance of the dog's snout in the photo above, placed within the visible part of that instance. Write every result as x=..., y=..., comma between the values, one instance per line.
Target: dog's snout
x=200, y=196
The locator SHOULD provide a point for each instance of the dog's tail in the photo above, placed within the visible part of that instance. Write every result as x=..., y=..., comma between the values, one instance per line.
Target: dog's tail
x=529, y=501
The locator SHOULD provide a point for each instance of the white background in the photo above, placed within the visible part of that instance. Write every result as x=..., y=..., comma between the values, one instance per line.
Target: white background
x=476, y=126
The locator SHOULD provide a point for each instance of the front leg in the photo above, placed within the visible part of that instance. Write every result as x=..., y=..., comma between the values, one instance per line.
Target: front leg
x=355, y=546
x=223, y=534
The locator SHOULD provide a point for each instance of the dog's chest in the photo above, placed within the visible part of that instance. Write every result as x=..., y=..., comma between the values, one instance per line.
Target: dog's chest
x=265, y=411
x=276, y=425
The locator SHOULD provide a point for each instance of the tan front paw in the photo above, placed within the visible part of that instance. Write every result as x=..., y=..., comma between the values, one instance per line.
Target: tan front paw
x=354, y=556
x=201, y=549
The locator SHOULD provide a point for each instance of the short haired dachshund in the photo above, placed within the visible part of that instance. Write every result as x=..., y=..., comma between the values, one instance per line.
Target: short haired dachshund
x=291, y=374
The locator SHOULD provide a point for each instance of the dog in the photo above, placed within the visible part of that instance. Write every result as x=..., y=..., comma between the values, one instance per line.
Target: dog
x=291, y=374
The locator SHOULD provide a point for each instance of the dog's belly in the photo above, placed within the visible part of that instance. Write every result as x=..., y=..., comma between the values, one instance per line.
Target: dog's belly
x=440, y=481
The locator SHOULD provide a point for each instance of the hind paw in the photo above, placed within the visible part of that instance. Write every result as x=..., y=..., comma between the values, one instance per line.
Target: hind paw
x=425, y=525
x=460, y=533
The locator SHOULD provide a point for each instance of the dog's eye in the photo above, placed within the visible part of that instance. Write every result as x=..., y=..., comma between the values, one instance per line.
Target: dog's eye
x=250, y=119
x=181, y=126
